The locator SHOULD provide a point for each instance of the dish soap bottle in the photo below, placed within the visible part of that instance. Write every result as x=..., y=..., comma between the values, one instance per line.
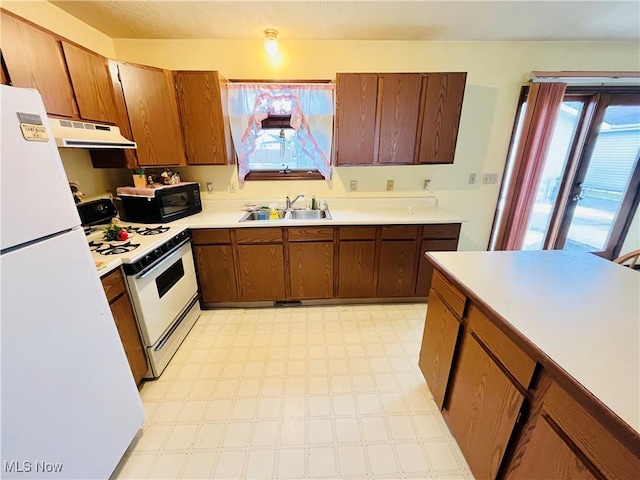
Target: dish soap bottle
x=273, y=214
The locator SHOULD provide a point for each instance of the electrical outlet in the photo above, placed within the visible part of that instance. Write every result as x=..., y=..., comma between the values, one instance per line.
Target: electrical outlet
x=389, y=185
x=210, y=187
x=472, y=179
x=233, y=187
x=354, y=186
x=427, y=184
x=490, y=178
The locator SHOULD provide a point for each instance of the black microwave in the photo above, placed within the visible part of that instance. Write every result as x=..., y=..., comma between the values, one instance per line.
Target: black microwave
x=161, y=204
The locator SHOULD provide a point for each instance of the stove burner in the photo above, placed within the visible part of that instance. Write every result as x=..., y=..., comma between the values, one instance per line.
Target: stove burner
x=117, y=249
x=148, y=230
x=89, y=230
x=95, y=246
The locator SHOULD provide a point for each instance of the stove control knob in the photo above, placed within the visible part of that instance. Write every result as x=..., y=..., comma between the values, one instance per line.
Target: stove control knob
x=157, y=252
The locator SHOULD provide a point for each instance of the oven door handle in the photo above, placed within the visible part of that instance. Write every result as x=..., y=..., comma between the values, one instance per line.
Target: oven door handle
x=147, y=271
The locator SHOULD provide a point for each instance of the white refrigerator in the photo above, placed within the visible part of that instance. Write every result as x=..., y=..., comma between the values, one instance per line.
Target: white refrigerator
x=69, y=404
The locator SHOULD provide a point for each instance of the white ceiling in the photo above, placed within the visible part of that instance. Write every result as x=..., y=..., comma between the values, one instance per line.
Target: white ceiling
x=475, y=20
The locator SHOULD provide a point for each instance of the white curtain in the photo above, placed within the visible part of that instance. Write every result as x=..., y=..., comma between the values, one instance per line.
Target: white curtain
x=309, y=104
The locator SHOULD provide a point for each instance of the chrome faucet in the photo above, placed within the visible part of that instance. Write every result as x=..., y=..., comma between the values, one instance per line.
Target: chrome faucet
x=291, y=202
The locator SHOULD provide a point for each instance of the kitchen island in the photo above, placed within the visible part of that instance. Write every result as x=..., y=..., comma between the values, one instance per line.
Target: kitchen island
x=534, y=359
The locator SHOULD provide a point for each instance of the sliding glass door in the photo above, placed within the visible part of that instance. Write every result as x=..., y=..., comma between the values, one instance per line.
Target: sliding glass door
x=590, y=180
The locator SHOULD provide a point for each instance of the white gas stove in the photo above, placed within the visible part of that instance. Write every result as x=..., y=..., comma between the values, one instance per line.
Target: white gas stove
x=160, y=275
x=144, y=245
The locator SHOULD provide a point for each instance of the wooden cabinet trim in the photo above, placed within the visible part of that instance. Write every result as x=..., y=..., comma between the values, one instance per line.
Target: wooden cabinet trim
x=449, y=292
x=441, y=230
x=259, y=235
x=399, y=232
x=210, y=236
x=604, y=450
x=310, y=234
x=357, y=233
x=518, y=363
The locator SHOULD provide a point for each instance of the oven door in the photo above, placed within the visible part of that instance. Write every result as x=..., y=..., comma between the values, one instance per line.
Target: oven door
x=161, y=295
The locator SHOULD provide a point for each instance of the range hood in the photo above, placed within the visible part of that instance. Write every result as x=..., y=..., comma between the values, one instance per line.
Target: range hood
x=75, y=134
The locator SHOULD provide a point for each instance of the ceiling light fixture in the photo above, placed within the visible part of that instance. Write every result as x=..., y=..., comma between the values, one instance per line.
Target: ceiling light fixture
x=271, y=41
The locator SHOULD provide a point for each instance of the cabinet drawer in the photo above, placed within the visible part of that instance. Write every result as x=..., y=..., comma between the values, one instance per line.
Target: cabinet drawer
x=210, y=236
x=310, y=234
x=444, y=230
x=357, y=233
x=449, y=293
x=259, y=235
x=518, y=363
x=400, y=232
x=113, y=285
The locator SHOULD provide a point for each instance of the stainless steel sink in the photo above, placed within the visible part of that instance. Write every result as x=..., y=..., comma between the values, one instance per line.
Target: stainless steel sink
x=310, y=215
x=295, y=215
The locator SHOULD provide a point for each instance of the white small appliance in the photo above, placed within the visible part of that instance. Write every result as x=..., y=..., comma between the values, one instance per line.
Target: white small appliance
x=70, y=406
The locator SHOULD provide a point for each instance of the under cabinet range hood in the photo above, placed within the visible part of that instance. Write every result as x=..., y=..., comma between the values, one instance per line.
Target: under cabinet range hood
x=77, y=134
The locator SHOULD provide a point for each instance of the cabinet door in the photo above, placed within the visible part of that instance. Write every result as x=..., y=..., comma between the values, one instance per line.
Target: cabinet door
x=396, y=268
x=153, y=115
x=91, y=84
x=425, y=268
x=356, y=267
x=442, y=106
x=130, y=337
x=202, y=120
x=438, y=346
x=482, y=409
x=216, y=273
x=399, y=117
x=311, y=269
x=548, y=456
x=261, y=272
x=356, y=109
x=34, y=60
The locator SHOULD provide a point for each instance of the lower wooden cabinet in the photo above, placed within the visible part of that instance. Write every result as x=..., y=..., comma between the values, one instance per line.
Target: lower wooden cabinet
x=125, y=319
x=313, y=262
x=219, y=284
x=310, y=262
x=356, y=266
x=261, y=273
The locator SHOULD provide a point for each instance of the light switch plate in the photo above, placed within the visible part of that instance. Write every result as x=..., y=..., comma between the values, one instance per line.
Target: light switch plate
x=233, y=187
x=389, y=185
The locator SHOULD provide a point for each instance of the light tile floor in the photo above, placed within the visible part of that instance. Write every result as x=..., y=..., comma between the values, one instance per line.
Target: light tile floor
x=297, y=392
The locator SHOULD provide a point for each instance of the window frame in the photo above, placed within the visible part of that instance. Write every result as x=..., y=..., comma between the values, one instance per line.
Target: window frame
x=283, y=174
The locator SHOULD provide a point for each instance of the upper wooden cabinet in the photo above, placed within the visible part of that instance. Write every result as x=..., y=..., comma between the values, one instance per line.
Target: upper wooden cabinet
x=153, y=115
x=34, y=59
x=397, y=118
x=356, y=100
x=202, y=105
x=91, y=84
x=442, y=103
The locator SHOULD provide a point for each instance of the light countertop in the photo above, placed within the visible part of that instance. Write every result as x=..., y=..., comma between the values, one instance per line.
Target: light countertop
x=359, y=211
x=581, y=310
